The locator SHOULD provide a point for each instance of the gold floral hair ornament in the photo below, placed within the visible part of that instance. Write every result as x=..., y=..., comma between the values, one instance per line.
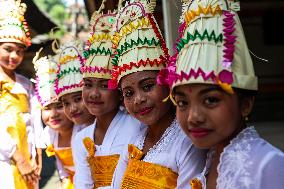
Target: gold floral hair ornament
x=13, y=26
x=69, y=77
x=98, y=49
x=138, y=42
x=211, y=48
x=46, y=73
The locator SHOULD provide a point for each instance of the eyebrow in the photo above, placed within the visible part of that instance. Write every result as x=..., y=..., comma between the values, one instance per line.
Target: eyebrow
x=210, y=89
x=141, y=81
x=201, y=92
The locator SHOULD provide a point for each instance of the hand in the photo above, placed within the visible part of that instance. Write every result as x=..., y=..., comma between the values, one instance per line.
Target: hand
x=28, y=172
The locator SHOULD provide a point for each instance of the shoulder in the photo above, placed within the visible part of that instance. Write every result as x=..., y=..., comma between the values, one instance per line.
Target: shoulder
x=130, y=123
x=86, y=132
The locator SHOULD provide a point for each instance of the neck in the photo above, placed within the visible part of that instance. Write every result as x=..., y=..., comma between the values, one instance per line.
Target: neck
x=220, y=147
x=104, y=121
x=8, y=74
x=64, y=133
x=156, y=130
x=90, y=120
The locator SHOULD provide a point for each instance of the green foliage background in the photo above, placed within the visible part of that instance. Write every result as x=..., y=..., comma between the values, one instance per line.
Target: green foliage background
x=56, y=10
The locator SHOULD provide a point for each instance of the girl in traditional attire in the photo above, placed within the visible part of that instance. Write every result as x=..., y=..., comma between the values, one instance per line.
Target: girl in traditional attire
x=69, y=84
x=161, y=156
x=214, y=86
x=60, y=130
x=16, y=90
x=98, y=147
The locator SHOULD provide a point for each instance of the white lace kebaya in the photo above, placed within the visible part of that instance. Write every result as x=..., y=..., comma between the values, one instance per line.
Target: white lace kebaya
x=248, y=162
x=174, y=150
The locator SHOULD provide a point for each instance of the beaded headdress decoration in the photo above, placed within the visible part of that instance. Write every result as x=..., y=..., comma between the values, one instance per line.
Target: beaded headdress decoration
x=138, y=42
x=13, y=26
x=69, y=77
x=211, y=48
x=46, y=73
x=98, y=48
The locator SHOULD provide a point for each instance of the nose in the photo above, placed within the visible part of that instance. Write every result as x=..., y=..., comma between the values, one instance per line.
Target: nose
x=73, y=107
x=195, y=116
x=14, y=55
x=139, y=98
x=53, y=113
x=95, y=93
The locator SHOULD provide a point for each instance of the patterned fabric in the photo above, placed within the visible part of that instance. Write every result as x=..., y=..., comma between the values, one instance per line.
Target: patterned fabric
x=102, y=167
x=140, y=174
x=244, y=164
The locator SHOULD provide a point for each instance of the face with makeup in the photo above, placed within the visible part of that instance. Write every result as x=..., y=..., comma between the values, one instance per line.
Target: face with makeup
x=11, y=55
x=209, y=115
x=143, y=97
x=53, y=116
x=75, y=108
x=98, y=99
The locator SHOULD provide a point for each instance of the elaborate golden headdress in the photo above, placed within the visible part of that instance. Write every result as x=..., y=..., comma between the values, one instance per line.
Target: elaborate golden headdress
x=46, y=73
x=13, y=26
x=138, y=42
x=212, y=47
x=98, y=50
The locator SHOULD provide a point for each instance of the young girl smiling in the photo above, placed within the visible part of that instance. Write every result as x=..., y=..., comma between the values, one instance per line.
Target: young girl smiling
x=160, y=156
x=214, y=86
x=98, y=147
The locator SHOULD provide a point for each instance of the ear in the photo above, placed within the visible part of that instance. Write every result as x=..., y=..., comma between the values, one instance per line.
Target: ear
x=247, y=105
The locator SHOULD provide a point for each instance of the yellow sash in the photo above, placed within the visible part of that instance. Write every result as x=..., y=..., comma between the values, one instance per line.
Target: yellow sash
x=66, y=158
x=140, y=174
x=12, y=106
x=102, y=167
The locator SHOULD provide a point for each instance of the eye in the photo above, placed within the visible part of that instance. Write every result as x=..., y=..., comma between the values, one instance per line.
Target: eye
x=65, y=104
x=104, y=85
x=8, y=49
x=87, y=85
x=78, y=99
x=211, y=101
x=147, y=87
x=59, y=106
x=127, y=93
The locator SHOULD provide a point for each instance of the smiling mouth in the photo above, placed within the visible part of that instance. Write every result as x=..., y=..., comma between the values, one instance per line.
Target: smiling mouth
x=145, y=111
x=55, y=122
x=75, y=116
x=199, y=132
x=96, y=103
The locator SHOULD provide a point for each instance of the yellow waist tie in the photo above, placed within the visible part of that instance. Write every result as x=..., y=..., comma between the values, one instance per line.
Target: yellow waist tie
x=140, y=174
x=102, y=167
x=66, y=158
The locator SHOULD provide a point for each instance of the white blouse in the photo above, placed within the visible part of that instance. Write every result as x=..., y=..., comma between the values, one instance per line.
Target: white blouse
x=122, y=128
x=248, y=162
x=174, y=150
x=50, y=136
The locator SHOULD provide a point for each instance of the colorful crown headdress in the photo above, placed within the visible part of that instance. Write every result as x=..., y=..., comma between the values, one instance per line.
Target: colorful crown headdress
x=138, y=41
x=46, y=73
x=211, y=48
x=13, y=26
x=98, y=49
x=69, y=77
